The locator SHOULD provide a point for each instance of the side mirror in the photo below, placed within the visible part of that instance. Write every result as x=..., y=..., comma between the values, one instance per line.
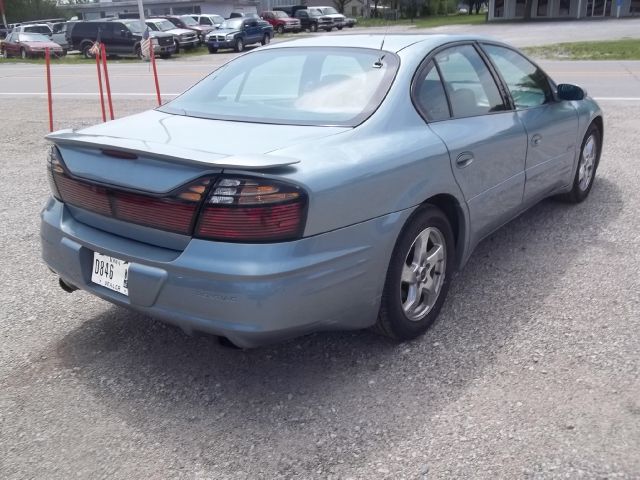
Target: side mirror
x=567, y=91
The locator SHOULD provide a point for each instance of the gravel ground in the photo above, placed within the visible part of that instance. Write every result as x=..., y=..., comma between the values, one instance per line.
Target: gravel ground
x=531, y=372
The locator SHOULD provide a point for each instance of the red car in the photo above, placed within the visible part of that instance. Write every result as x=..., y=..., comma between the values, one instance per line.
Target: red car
x=27, y=45
x=281, y=22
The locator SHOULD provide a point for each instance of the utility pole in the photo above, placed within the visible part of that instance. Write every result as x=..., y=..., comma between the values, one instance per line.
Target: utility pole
x=141, y=13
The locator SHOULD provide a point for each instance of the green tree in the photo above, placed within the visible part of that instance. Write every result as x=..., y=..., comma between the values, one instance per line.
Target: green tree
x=26, y=10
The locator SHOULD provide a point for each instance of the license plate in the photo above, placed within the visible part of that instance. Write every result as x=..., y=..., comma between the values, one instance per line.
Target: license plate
x=215, y=45
x=110, y=272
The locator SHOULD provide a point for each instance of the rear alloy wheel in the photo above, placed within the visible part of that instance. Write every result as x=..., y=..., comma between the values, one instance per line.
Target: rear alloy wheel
x=418, y=276
x=266, y=40
x=23, y=54
x=281, y=29
x=239, y=46
x=587, y=165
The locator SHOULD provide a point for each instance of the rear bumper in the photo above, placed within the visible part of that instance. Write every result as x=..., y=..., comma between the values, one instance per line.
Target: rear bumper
x=251, y=294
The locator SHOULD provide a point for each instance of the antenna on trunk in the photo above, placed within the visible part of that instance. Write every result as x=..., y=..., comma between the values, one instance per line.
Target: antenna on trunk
x=378, y=63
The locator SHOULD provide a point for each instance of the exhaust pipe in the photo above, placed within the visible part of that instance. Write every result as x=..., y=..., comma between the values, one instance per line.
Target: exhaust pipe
x=67, y=287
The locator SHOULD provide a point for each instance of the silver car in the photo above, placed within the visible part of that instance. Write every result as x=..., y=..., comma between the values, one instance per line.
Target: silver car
x=320, y=184
x=182, y=37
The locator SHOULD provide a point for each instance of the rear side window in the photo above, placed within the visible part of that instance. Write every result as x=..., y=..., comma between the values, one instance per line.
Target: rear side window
x=468, y=82
x=429, y=94
x=85, y=29
x=528, y=85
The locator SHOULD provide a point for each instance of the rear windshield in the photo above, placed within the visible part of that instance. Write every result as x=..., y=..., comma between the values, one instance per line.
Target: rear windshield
x=233, y=23
x=33, y=37
x=293, y=86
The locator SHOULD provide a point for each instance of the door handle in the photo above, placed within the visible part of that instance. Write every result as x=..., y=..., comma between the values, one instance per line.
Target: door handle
x=536, y=140
x=464, y=159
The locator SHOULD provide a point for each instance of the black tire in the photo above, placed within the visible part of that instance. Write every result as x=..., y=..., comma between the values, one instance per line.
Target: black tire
x=280, y=29
x=138, y=52
x=328, y=29
x=392, y=320
x=177, y=44
x=350, y=25
x=239, y=45
x=212, y=50
x=165, y=55
x=580, y=190
x=313, y=27
x=85, y=50
x=266, y=40
x=23, y=54
x=339, y=28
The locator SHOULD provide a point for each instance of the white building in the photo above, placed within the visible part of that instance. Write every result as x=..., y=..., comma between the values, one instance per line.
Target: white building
x=513, y=9
x=108, y=8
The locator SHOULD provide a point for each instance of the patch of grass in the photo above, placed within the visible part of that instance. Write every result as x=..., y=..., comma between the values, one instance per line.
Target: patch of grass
x=625, y=49
x=77, y=59
x=425, y=22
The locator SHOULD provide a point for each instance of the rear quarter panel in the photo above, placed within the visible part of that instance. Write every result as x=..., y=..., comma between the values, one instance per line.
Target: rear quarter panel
x=391, y=162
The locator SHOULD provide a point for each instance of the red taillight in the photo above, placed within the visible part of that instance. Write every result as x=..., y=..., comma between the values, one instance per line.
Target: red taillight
x=235, y=210
x=174, y=213
x=252, y=210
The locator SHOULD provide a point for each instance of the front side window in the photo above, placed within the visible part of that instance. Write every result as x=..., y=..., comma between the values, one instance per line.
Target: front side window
x=528, y=85
x=293, y=86
x=205, y=21
x=469, y=84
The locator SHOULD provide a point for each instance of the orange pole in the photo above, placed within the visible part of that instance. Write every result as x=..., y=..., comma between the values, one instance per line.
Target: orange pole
x=104, y=115
x=155, y=72
x=103, y=51
x=47, y=61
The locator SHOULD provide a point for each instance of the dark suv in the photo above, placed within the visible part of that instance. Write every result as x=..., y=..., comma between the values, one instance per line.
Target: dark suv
x=120, y=37
x=311, y=20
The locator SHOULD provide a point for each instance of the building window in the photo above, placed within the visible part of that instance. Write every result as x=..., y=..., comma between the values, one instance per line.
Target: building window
x=565, y=7
x=541, y=11
x=520, y=8
x=498, y=8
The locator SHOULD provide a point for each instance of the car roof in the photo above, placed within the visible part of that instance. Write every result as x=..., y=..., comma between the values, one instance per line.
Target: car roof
x=392, y=42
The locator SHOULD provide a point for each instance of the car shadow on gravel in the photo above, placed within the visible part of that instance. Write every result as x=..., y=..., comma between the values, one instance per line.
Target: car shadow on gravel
x=352, y=389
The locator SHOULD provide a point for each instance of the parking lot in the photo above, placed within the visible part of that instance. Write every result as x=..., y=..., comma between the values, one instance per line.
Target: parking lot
x=532, y=370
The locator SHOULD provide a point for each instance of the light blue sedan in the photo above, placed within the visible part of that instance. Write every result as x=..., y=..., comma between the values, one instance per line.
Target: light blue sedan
x=320, y=184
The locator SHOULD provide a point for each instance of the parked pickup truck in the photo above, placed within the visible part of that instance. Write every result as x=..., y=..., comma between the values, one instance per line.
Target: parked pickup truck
x=236, y=33
x=281, y=21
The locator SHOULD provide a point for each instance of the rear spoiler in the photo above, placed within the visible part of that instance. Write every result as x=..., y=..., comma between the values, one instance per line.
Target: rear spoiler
x=169, y=152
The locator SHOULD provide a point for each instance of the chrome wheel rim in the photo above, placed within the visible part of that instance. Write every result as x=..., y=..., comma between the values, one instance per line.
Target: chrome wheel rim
x=423, y=273
x=587, y=164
